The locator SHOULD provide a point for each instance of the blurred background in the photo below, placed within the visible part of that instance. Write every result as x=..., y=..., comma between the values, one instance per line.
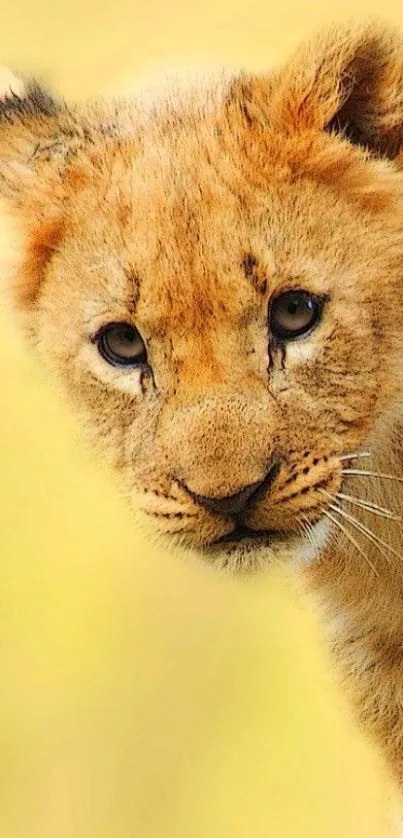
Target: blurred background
x=106, y=44
x=142, y=695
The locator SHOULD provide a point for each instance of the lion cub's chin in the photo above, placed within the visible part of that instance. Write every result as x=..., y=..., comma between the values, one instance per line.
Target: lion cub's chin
x=257, y=553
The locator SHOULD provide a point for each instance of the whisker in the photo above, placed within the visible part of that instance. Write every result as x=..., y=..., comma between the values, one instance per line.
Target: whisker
x=306, y=529
x=356, y=456
x=369, y=507
x=351, y=539
x=366, y=473
x=374, y=539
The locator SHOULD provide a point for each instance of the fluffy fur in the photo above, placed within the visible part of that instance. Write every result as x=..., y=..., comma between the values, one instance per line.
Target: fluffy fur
x=187, y=217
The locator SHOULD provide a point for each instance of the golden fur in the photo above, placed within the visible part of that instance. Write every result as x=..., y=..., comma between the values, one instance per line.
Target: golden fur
x=187, y=217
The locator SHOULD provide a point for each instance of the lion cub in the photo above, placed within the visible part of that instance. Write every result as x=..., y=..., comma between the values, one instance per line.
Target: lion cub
x=216, y=276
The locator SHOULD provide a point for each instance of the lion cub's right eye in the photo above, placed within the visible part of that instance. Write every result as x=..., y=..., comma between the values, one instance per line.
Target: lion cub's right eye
x=121, y=345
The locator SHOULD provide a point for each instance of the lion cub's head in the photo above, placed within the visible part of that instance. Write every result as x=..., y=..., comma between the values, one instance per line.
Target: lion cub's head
x=217, y=279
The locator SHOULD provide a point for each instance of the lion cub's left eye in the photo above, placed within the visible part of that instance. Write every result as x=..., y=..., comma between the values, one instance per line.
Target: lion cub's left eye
x=294, y=314
x=121, y=345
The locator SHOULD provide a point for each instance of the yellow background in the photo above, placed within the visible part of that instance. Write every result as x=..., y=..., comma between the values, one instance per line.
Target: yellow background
x=142, y=696
x=84, y=51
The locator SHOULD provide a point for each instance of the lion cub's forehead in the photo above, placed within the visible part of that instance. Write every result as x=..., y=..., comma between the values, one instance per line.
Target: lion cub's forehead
x=192, y=229
x=184, y=220
x=193, y=260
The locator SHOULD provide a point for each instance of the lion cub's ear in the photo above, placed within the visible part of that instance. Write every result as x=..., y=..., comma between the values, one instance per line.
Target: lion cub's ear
x=346, y=80
x=37, y=135
x=34, y=136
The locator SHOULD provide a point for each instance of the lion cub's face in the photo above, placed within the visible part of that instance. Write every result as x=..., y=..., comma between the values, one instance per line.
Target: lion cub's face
x=216, y=294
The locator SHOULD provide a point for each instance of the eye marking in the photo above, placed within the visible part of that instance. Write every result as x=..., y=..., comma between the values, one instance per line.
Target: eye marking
x=254, y=273
x=121, y=345
x=295, y=314
x=249, y=264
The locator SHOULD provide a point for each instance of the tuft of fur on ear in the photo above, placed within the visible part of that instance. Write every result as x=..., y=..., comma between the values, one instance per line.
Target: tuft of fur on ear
x=346, y=80
x=33, y=100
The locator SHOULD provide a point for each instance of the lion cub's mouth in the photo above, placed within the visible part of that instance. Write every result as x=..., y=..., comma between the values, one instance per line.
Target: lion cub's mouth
x=242, y=533
x=244, y=549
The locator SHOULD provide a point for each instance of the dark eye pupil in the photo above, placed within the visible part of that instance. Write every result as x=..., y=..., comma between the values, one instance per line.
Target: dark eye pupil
x=293, y=307
x=128, y=335
x=121, y=345
x=294, y=314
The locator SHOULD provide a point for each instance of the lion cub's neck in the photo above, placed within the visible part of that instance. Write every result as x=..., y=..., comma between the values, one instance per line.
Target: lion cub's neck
x=361, y=598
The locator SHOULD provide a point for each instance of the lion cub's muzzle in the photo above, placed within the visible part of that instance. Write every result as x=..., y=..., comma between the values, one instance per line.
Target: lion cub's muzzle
x=232, y=506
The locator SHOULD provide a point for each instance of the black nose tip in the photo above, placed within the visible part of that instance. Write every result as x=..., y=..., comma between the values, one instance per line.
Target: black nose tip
x=230, y=505
x=234, y=504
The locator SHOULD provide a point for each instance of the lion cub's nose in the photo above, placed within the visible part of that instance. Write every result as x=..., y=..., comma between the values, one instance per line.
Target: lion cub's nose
x=230, y=505
x=234, y=504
